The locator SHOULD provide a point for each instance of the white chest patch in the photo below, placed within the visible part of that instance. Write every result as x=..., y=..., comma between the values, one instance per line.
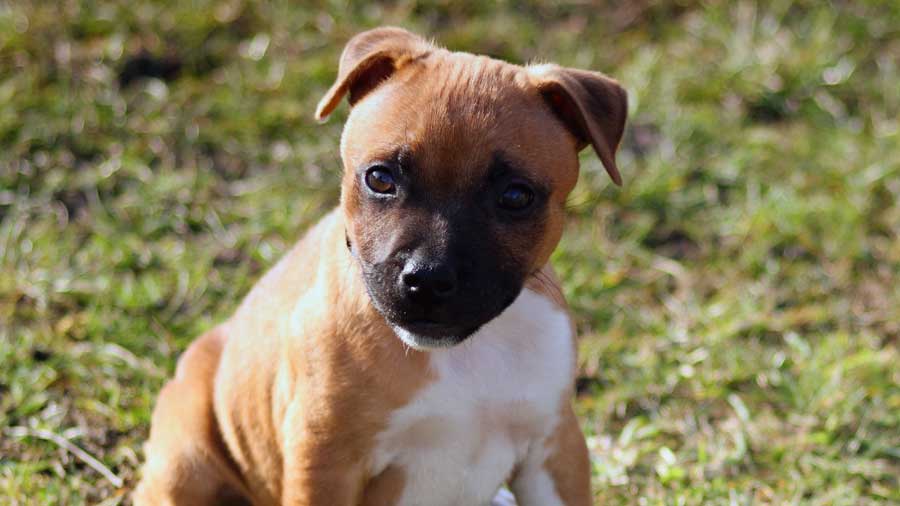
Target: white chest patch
x=494, y=395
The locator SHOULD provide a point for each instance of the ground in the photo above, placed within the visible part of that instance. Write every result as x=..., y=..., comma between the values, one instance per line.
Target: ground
x=738, y=297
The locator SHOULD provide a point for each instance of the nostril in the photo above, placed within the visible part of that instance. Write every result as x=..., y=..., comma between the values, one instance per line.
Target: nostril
x=411, y=280
x=444, y=287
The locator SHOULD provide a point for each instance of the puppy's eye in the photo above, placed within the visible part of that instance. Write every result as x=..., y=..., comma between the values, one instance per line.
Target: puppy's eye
x=380, y=180
x=516, y=197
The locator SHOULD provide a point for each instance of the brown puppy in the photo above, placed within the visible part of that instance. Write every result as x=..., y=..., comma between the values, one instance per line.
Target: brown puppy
x=414, y=347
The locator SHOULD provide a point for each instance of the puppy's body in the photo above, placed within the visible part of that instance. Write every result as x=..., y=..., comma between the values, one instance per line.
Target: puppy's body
x=382, y=424
x=414, y=348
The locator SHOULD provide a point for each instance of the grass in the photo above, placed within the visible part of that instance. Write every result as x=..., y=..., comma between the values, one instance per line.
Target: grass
x=739, y=297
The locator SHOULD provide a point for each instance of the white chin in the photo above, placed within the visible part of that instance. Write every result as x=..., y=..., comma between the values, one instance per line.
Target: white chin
x=420, y=342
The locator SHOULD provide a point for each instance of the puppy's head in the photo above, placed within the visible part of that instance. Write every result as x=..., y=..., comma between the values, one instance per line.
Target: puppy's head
x=457, y=168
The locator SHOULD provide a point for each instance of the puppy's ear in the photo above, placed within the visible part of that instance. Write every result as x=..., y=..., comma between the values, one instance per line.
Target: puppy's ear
x=368, y=60
x=592, y=106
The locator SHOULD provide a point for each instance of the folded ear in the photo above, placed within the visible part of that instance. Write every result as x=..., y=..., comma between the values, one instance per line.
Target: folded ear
x=592, y=106
x=368, y=60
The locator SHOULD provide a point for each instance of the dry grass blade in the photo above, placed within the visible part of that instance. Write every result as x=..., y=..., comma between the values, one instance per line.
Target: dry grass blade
x=70, y=447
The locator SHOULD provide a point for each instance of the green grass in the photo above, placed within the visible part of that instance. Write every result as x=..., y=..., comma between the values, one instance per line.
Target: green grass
x=739, y=297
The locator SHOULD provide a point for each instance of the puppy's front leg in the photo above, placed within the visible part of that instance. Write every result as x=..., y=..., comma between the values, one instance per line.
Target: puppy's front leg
x=319, y=469
x=311, y=480
x=320, y=487
x=556, y=472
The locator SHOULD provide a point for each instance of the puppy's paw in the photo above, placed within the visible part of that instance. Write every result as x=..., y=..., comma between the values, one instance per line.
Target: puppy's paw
x=504, y=498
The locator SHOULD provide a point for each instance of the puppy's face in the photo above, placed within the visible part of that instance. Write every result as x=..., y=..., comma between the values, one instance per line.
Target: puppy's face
x=455, y=180
x=456, y=175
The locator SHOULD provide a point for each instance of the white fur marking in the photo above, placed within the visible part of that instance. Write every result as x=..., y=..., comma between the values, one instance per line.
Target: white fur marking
x=540, y=491
x=534, y=486
x=495, y=394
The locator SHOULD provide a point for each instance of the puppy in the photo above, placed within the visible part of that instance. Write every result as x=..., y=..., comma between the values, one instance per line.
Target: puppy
x=414, y=347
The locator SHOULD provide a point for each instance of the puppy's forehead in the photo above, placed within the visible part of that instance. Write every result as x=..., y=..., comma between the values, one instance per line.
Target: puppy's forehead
x=454, y=115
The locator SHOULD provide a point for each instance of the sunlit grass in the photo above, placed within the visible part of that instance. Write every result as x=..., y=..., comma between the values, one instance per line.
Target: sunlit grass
x=738, y=297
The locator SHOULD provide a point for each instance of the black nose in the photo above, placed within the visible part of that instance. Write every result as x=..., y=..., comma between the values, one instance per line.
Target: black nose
x=428, y=283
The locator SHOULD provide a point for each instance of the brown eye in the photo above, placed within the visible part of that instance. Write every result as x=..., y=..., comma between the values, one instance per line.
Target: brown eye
x=516, y=197
x=380, y=180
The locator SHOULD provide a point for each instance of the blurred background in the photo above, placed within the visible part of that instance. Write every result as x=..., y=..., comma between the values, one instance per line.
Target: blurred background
x=738, y=297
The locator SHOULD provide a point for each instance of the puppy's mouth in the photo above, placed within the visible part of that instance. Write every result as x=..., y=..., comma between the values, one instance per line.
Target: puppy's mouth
x=437, y=330
x=426, y=334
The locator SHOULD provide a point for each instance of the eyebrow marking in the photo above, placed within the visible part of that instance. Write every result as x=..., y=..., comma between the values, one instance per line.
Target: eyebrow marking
x=401, y=156
x=502, y=165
